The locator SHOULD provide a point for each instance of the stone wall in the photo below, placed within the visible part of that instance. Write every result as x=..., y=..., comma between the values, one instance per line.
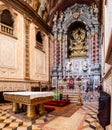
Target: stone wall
x=22, y=64
x=107, y=52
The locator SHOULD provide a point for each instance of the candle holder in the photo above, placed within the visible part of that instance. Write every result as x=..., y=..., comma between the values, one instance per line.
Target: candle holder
x=79, y=80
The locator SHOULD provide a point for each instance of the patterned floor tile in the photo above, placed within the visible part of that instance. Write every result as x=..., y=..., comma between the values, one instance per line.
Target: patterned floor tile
x=3, y=117
x=24, y=128
x=3, y=124
x=9, y=121
x=8, y=128
x=36, y=127
x=27, y=123
x=88, y=128
x=85, y=124
x=14, y=124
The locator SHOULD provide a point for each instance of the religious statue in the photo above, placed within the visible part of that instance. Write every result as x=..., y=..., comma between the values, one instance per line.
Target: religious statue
x=36, y=4
x=94, y=9
x=68, y=66
x=55, y=17
x=78, y=45
x=84, y=65
x=61, y=17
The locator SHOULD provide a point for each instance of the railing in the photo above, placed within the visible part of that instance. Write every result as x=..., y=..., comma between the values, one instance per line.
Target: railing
x=39, y=45
x=6, y=29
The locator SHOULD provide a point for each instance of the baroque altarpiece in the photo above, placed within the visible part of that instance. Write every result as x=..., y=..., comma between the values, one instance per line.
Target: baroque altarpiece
x=76, y=45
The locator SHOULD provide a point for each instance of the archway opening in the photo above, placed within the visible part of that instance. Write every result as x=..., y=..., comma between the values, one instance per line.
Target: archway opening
x=77, y=45
x=6, y=18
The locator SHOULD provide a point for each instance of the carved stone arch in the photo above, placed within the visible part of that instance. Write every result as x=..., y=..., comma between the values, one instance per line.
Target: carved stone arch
x=76, y=16
x=71, y=20
x=3, y=7
x=43, y=34
x=68, y=23
x=77, y=40
x=81, y=18
x=12, y=12
x=40, y=38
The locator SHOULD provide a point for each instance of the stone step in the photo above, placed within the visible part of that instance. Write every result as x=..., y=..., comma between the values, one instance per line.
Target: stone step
x=86, y=97
x=72, y=95
x=75, y=102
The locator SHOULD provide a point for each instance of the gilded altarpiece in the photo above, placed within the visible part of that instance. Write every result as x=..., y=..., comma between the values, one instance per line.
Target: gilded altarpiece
x=76, y=45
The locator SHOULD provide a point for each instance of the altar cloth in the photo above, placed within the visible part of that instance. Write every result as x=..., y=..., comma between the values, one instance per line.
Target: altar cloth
x=32, y=95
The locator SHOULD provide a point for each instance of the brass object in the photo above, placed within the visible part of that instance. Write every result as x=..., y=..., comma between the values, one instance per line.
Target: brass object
x=31, y=104
x=79, y=35
x=31, y=113
x=79, y=100
x=15, y=107
x=79, y=103
x=42, y=109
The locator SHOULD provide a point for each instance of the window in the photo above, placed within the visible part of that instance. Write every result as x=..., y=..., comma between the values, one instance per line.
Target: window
x=7, y=22
x=6, y=18
x=38, y=37
x=39, y=40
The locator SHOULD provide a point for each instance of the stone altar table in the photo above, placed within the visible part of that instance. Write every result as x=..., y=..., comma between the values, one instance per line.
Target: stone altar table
x=31, y=100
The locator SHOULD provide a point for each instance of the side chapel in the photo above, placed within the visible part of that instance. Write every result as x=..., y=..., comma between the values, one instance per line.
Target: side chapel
x=77, y=45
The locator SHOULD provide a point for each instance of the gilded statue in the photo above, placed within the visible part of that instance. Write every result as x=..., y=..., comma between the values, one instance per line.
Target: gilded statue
x=78, y=45
x=36, y=4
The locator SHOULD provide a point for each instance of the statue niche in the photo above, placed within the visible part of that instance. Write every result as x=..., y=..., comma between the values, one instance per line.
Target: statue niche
x=77, y=43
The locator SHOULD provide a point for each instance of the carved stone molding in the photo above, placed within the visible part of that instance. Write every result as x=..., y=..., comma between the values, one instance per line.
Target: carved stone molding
x=26, y=9
x=19, y=85
x=109, y=52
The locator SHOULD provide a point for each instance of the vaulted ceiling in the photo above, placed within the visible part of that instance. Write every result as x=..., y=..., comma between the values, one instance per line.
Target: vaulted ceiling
x=61, y=5
x=46, y=9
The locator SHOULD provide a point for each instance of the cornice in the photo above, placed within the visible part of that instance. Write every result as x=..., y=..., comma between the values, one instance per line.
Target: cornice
x=109, y=72
x=25, y=9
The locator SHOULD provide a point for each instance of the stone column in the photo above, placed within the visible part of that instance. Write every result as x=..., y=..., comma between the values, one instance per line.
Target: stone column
x=96, y=45
x=64, y=51
x=55, y=45
x=60, y=56
x=55, y=31
x=27, y=48
x=97, y=48
x=93, y=47
x=55, y=52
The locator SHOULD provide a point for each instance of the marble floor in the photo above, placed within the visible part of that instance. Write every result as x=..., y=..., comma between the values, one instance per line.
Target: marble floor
x=85, y=118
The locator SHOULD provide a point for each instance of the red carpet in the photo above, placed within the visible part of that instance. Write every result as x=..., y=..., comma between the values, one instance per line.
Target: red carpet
x=49, y=109
x=60, y=103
